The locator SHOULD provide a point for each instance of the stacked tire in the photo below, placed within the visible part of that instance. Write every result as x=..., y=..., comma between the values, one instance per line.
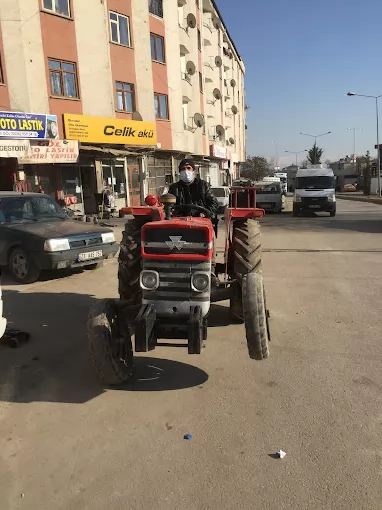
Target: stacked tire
x=248, y=302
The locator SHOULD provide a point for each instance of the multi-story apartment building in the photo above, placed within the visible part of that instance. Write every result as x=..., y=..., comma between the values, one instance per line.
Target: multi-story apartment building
x=128, y=86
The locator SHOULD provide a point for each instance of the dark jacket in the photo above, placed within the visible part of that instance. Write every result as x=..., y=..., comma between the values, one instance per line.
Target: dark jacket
x=198, y=192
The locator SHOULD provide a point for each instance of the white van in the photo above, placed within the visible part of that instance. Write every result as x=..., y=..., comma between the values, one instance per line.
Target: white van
x=222, y=196
x=314, y=190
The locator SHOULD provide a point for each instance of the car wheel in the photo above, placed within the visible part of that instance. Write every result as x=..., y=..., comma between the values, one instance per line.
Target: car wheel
x=22, y=267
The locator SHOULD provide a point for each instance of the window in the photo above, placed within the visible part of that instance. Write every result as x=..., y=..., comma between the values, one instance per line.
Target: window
x=161, y=106
x=119, y=29
x=201, y=82
x=63, y=78
x=125, y=97
x=58, y=7
x=157, y=48
x=156, y=7
x=199, y=40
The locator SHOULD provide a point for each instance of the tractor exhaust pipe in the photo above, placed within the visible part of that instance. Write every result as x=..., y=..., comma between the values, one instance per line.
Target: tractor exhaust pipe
x=168, y=201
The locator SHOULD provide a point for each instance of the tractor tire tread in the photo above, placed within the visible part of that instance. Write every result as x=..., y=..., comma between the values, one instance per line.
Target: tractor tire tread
x=255, y=316
x=129, y=263
x=109, y=369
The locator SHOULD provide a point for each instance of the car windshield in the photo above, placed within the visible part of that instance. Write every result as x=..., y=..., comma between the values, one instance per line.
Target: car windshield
x=315, y=182
x=268, y=189
x=25, y=208
x=218, y=192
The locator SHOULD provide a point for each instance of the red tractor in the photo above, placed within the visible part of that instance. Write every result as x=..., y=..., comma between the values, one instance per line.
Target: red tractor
x=168, y=277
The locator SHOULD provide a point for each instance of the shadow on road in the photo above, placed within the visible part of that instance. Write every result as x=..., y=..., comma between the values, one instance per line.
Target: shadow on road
x=54, y=366
x=157, y=374
x=219, y=316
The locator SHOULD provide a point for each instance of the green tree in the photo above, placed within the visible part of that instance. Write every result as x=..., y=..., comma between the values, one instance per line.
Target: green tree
x=255, y=168
x=315, y=155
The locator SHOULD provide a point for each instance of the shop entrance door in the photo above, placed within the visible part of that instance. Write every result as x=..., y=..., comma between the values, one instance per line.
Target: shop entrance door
x=134, y=188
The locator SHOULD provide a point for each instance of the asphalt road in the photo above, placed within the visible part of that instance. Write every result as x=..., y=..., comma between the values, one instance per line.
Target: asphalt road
x=68, y=443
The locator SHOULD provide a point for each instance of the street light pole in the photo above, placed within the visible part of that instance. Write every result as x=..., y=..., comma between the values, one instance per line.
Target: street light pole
x=379, y=152
x=296, y=153
x=315, y=136
x=378, y=149
x=277, y=155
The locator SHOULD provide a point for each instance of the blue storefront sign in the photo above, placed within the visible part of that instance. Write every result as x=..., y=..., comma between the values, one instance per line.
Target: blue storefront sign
x=18, y=125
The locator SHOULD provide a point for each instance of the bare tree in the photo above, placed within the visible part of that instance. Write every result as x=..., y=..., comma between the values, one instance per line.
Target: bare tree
x=255, y=168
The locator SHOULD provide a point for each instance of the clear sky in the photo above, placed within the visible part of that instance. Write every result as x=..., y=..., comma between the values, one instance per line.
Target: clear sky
x=301, y=59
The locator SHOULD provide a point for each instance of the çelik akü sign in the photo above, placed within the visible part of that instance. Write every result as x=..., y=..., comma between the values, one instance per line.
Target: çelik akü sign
x=108, y=130
x=21, y=125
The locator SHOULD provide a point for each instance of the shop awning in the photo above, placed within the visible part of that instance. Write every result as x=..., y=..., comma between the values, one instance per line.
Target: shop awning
x=109, y=150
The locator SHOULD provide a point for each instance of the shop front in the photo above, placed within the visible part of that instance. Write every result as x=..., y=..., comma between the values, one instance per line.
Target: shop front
x=21, y=135
x=110, y=157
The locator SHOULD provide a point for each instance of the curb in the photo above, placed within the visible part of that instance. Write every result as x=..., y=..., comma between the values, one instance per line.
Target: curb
x=368, y=200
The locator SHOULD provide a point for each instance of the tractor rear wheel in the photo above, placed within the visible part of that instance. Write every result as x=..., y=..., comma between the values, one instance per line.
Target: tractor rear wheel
x=245, y=257
x=248, y=302
x=110, y=348
x=129, y=263
x=255, y=316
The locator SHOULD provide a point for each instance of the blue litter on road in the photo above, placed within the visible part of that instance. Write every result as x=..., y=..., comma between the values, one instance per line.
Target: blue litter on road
x=188, y=437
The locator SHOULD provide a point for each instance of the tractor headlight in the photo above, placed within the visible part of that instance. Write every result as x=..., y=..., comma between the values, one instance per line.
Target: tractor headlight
x=297, y=198
x=149, y=280
x=331, y=198
x=200, y=282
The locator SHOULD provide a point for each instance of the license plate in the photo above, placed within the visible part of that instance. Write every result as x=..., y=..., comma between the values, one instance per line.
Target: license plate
x=90, y=255
x=314, y=206
x=265, y=206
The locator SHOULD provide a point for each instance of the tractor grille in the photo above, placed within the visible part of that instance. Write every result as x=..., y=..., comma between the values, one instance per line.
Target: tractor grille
x=163, y=241
x=175, y=281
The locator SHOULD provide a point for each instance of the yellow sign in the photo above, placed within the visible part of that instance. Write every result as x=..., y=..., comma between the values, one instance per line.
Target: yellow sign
x=107, y=130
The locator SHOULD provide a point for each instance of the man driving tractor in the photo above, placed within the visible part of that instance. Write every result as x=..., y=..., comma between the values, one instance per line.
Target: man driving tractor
x=190, y=189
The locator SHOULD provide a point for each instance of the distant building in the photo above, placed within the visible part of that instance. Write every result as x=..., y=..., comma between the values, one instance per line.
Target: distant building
x=346, y=172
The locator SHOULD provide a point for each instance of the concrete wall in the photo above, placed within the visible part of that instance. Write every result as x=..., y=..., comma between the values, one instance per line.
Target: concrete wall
x=93, y=50
x=23, y=55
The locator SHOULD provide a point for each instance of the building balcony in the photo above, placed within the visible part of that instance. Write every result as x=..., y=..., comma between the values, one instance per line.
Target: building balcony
x=184, y=41
x=207, y=6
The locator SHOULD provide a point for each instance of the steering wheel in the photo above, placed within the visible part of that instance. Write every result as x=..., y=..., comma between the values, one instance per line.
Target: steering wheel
x=199, y=208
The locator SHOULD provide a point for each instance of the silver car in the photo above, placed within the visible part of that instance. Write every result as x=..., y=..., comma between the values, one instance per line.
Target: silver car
x=270, y=196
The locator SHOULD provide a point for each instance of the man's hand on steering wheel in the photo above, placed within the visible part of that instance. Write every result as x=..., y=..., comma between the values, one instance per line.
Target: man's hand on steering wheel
x=203, y=212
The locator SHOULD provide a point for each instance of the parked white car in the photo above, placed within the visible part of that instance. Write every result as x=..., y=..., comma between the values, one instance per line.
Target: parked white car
x=3, y=321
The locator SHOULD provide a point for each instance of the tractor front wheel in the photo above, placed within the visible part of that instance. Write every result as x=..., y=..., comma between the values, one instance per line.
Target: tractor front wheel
x=110, y=348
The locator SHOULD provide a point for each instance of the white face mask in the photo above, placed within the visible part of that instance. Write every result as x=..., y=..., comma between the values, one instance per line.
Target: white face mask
x=187, y=176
